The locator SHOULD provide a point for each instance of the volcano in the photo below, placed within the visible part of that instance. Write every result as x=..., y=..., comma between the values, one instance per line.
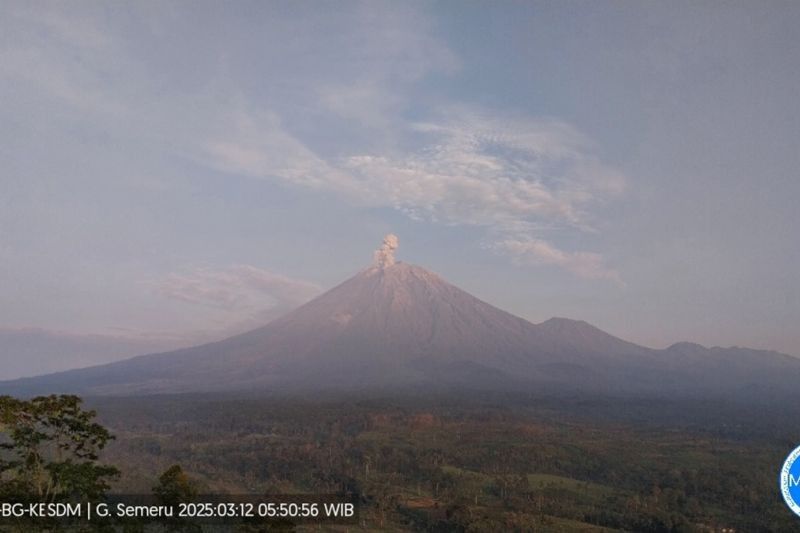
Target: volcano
x=395, y=325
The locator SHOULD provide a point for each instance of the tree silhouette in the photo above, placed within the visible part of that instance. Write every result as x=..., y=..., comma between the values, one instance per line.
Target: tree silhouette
x=49, y=450
x=175, y=487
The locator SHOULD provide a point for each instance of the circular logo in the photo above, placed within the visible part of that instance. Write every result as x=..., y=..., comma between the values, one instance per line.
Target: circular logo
x=790, y=481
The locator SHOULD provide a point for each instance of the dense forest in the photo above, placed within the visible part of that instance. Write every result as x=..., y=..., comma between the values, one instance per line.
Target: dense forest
x=472, y=462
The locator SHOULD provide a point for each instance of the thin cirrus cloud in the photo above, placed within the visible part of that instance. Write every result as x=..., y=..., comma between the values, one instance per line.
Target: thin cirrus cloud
x=523, y=180
x=242, y=292
x=538, y=252
x=514, y=177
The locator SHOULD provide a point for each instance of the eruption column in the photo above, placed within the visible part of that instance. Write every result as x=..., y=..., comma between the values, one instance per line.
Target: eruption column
x=384, y=256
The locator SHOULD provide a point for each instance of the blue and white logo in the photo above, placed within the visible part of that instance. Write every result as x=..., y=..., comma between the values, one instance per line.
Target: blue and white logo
x=790, y=481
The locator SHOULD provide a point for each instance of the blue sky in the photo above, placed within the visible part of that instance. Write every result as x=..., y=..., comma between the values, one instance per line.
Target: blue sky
x=185, y=170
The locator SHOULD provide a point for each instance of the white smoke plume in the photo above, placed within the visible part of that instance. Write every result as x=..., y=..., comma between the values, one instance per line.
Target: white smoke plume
x=384, y=256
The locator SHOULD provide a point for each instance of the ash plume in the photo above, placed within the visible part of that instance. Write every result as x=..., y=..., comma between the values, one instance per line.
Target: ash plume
x=384, y=256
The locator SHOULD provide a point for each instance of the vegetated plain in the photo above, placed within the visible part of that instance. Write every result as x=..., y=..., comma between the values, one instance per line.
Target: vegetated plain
x=474, y=462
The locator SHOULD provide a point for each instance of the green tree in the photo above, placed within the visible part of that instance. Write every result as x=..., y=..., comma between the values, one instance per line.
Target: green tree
x=175, y=487
x=49, y=450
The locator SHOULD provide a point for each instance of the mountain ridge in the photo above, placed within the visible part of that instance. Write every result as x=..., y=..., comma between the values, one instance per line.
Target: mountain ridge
x=398, y=325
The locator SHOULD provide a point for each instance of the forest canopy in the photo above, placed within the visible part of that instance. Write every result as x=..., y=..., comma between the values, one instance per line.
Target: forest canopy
x=49, y=450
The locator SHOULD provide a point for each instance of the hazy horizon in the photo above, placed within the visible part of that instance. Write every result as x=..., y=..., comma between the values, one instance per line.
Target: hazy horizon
x=178, y=172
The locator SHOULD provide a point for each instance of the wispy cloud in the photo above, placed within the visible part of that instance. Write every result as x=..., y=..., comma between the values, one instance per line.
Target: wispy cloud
x=504, y=174
x=244, y=292
x=257, y=145
x=61, y=56
x=514, y=177
x=520, y=178
x=538, y=252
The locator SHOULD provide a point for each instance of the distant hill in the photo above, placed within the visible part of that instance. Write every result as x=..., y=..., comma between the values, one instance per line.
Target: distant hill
x=34, y=351
x=396, y=325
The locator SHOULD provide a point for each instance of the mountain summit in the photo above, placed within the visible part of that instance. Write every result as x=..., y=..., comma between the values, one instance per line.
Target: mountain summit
x=399, y=325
